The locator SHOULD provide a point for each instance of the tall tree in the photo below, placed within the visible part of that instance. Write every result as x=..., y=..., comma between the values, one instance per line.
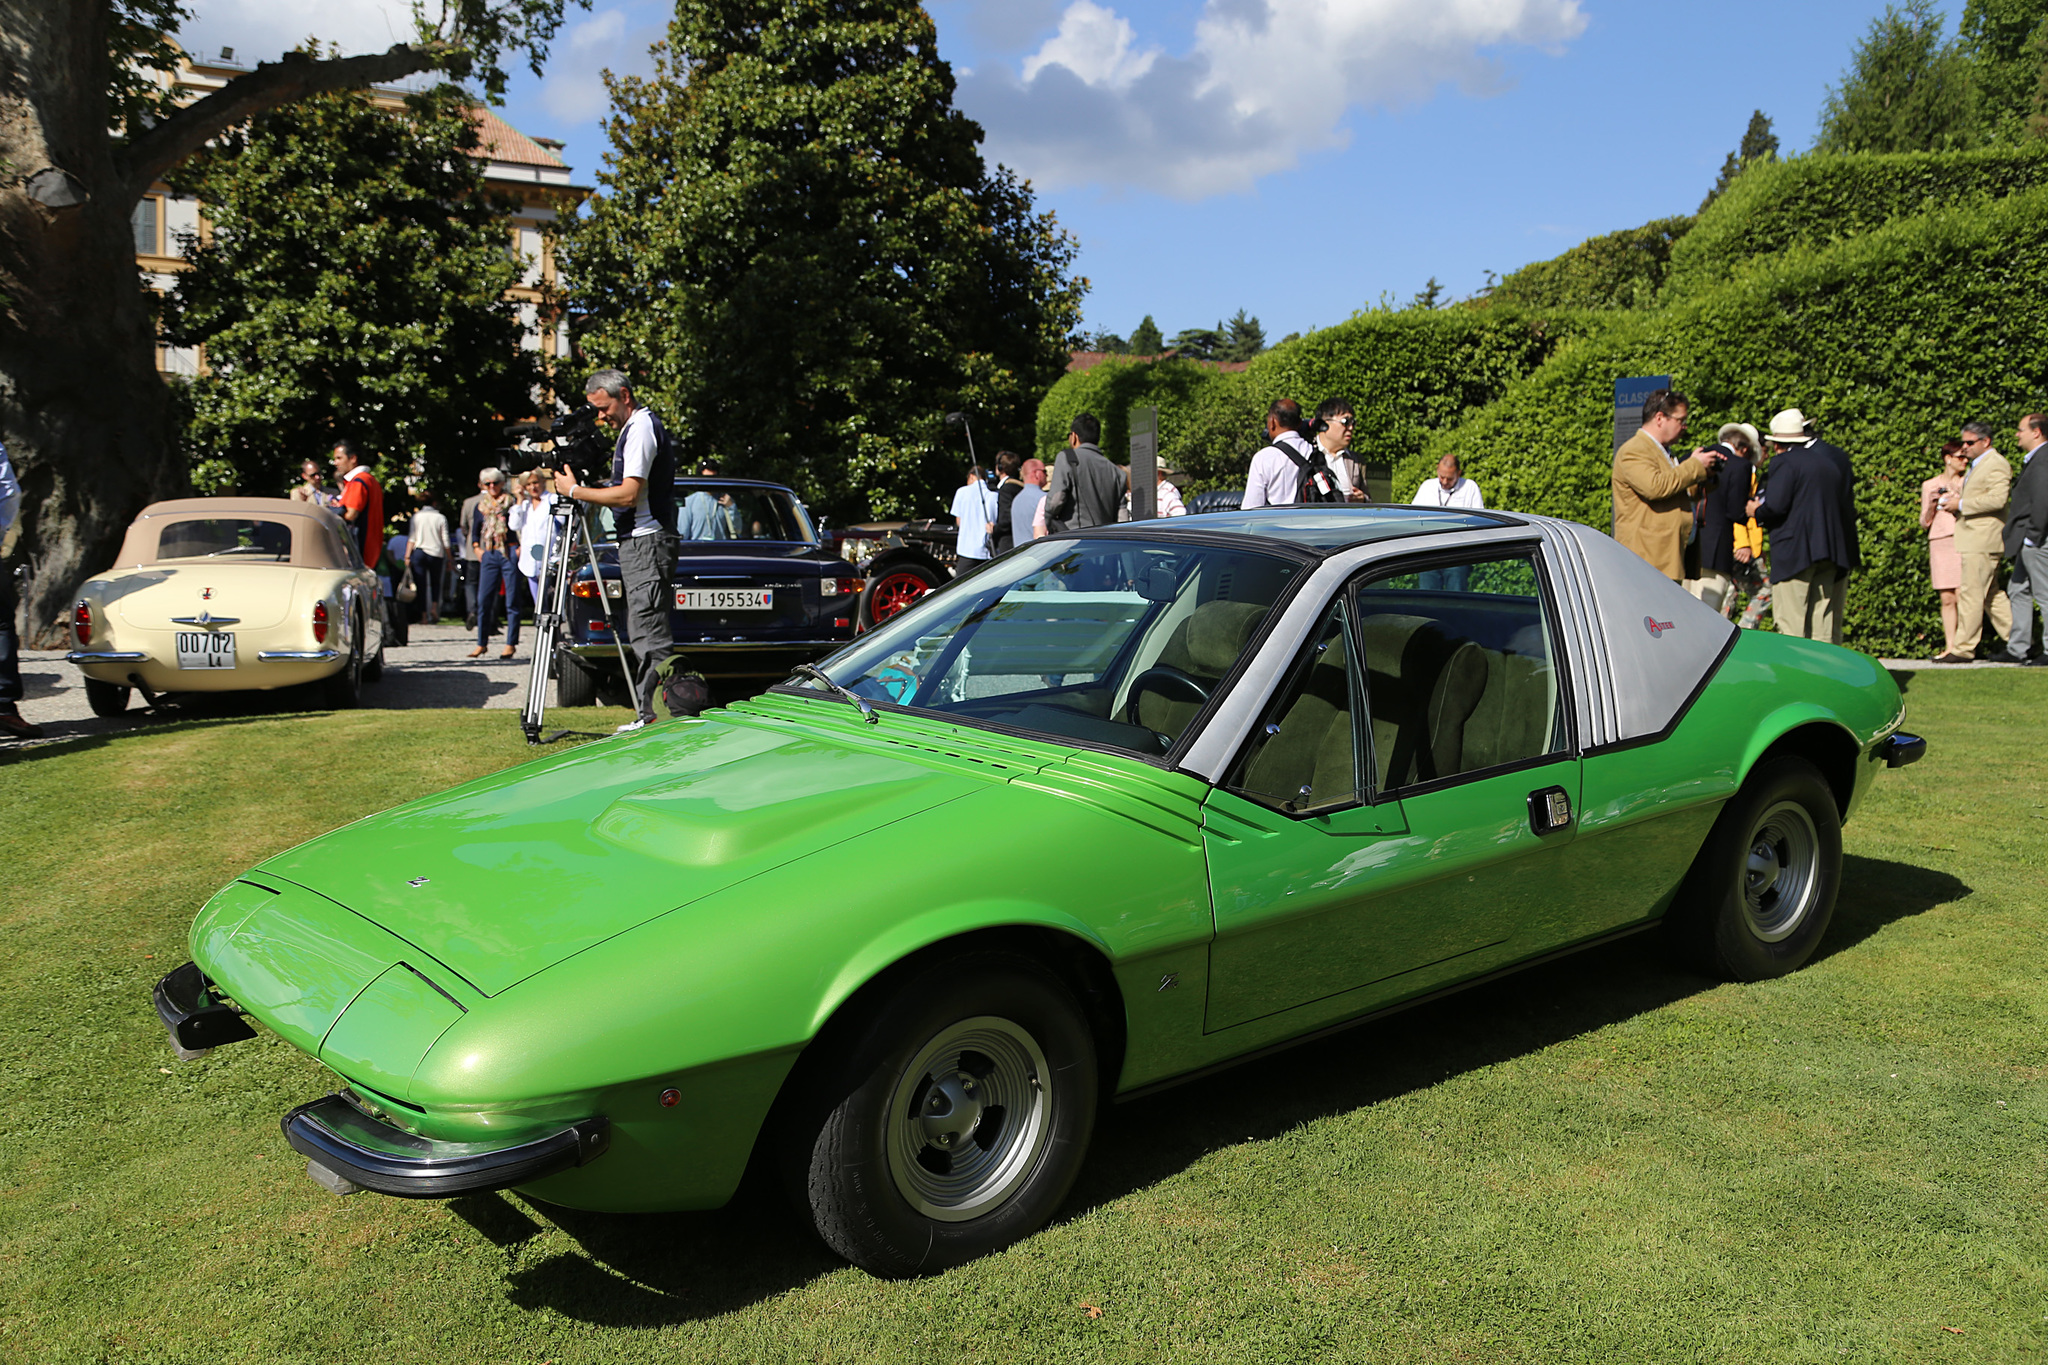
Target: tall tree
x=1147, y=339
x=1199, y=343
x=86, y=127
x=2004, y=42
x=1243, y=338
x=353, y=283
x=1905, y=90
x=800, y=256
x=1759, y=144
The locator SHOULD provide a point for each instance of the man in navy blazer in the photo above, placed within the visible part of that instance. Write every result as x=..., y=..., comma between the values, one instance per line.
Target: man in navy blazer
x=2026, y=543
x=1809, y=507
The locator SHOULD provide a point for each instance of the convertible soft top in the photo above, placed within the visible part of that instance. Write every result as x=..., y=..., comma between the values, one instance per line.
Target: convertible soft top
x=317, y=541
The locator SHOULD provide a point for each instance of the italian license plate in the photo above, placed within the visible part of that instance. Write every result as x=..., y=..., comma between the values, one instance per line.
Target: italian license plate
x=725, y=599
x=206, y=649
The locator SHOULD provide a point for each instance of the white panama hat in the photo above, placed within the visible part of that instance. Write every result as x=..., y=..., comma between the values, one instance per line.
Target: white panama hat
x=1789, y=427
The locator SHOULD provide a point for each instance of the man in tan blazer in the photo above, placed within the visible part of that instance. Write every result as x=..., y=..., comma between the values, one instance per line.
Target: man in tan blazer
x=1654, y=489
x=1980, y=543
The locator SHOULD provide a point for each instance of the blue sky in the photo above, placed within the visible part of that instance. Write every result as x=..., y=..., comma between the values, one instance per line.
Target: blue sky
x=1301, y=159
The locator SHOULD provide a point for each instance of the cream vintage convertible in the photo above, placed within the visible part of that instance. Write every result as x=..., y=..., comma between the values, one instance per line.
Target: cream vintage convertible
x=229, y=595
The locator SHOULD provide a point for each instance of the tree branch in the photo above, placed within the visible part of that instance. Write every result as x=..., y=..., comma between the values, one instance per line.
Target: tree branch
x=269, y=85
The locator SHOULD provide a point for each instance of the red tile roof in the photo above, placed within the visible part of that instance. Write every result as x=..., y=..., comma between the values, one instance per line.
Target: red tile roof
x=500, y=141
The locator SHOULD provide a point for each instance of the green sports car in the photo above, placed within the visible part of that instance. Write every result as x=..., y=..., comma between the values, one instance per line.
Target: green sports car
x=1119, y=807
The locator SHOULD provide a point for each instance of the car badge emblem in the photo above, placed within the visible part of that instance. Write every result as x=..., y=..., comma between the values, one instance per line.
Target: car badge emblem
x=418, y=881
x=206, y=594
x=1656, y=627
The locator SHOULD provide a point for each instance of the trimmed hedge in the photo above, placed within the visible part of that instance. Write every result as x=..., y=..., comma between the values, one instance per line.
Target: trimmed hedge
x=1619, y=270
x=1888, y=341
x=1816, y=200
x=1110, y=390
x=1407, y=374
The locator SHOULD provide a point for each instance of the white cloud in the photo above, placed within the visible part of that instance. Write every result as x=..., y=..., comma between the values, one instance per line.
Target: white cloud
x=573, y=89
x=1095, y=44
x=1266, y=82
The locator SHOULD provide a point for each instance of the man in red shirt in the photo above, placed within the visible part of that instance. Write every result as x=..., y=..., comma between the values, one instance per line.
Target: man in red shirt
x=362, y=499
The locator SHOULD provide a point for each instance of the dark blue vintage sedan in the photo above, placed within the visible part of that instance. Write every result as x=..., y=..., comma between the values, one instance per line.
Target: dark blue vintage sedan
x=756, y=591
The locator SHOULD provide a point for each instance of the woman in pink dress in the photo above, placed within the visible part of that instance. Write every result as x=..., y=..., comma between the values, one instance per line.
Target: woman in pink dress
x=1944, y=563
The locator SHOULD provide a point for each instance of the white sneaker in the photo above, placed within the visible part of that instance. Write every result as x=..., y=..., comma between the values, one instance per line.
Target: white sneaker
x=629, y=726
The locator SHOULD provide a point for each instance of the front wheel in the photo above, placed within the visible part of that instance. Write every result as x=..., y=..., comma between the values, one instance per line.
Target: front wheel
x=105, y=698
x=1761, y=893
x=956, y=1116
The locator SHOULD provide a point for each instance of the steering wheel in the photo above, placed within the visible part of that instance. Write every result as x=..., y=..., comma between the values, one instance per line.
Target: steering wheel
x=1168, y=682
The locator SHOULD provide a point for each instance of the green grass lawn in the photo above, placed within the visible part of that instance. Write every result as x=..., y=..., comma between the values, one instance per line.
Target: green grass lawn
x=1601, y=1160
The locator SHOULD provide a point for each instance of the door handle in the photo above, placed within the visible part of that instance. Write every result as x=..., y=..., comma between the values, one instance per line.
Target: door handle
x=1550, y=810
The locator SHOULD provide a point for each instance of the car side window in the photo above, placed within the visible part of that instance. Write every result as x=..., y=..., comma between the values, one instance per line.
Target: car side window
x=1304, y=754
x=1461, y=672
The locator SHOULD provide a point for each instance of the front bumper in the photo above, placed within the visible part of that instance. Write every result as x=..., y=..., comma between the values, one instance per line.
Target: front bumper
x=346, y=1148
x=196, y=1021
x=1900, y=748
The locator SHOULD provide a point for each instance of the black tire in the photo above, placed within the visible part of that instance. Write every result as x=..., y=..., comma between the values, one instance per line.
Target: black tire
x=575, y=685
x=881, y=1118
x=373, y=669
x=341, y=691
x=105, y=698
x=1761, y=892
x=893, y=586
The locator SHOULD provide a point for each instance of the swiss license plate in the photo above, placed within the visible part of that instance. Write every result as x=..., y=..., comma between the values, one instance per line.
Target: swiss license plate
x=206, y=649
x=725, y=599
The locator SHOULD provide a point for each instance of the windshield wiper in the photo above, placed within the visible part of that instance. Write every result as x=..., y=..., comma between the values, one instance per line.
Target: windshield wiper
x=867, y=713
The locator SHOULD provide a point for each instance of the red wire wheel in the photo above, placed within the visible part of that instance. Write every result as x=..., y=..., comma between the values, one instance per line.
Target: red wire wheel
x=896, y=589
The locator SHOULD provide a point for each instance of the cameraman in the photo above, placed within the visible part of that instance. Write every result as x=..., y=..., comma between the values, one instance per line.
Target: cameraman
x=642, y=498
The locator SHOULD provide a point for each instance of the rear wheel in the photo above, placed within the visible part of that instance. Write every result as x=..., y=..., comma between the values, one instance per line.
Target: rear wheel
x=948, y=1121
x=1762, y=891
x=343, y=690
x=105, y=698
x=575, y=685
x=893, y=589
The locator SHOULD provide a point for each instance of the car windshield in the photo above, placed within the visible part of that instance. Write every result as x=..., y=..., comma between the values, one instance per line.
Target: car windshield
x=737, y=512
x=1116, y=643
x=225, y=538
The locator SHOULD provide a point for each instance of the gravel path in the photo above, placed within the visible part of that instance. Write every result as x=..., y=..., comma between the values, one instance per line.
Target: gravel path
x=433, y=670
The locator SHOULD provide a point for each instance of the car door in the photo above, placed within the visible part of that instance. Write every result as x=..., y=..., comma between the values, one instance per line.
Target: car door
x=1400, y=813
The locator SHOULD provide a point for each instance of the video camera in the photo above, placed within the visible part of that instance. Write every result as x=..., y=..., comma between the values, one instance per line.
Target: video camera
x=573, y=440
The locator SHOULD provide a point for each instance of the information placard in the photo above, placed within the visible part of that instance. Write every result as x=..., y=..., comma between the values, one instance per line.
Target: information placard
x=1629, y=395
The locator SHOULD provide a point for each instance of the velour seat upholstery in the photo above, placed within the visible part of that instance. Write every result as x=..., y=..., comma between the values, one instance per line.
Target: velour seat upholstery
x=1442, y=705
x=1313, y=745
x=1205, y=647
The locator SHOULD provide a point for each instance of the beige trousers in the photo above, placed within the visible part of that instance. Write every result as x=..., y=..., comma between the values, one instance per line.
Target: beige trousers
x=1714, y=589
x=1978, y=597
x=1809, y=604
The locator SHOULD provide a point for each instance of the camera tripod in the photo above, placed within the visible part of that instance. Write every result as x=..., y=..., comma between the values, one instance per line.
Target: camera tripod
x=558, y=565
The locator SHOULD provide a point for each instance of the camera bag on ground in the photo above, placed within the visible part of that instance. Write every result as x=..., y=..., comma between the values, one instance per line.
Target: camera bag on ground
x=1316, y=483
x=685, y=693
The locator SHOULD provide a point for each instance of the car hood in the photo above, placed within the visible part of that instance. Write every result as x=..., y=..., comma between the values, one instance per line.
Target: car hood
x=502, y=877
x=255, y=595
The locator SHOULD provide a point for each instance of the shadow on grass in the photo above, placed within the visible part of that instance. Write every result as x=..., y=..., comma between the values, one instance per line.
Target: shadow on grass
x=76, y=737
x=658, y=1269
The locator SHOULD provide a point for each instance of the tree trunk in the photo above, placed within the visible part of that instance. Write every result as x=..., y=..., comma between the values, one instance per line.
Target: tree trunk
x=82, y=409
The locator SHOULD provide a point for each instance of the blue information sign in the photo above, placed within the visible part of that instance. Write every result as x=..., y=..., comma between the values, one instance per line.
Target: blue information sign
x=1629, y=395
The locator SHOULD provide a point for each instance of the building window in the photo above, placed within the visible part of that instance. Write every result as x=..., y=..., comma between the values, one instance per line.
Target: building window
x=148, y=222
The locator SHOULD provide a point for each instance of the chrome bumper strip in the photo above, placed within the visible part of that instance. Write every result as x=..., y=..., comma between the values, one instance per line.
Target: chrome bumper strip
x=312, y=656
x=104, y=656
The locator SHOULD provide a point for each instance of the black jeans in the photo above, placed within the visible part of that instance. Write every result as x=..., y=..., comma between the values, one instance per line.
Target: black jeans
x=647, y=565
x=10, y=641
